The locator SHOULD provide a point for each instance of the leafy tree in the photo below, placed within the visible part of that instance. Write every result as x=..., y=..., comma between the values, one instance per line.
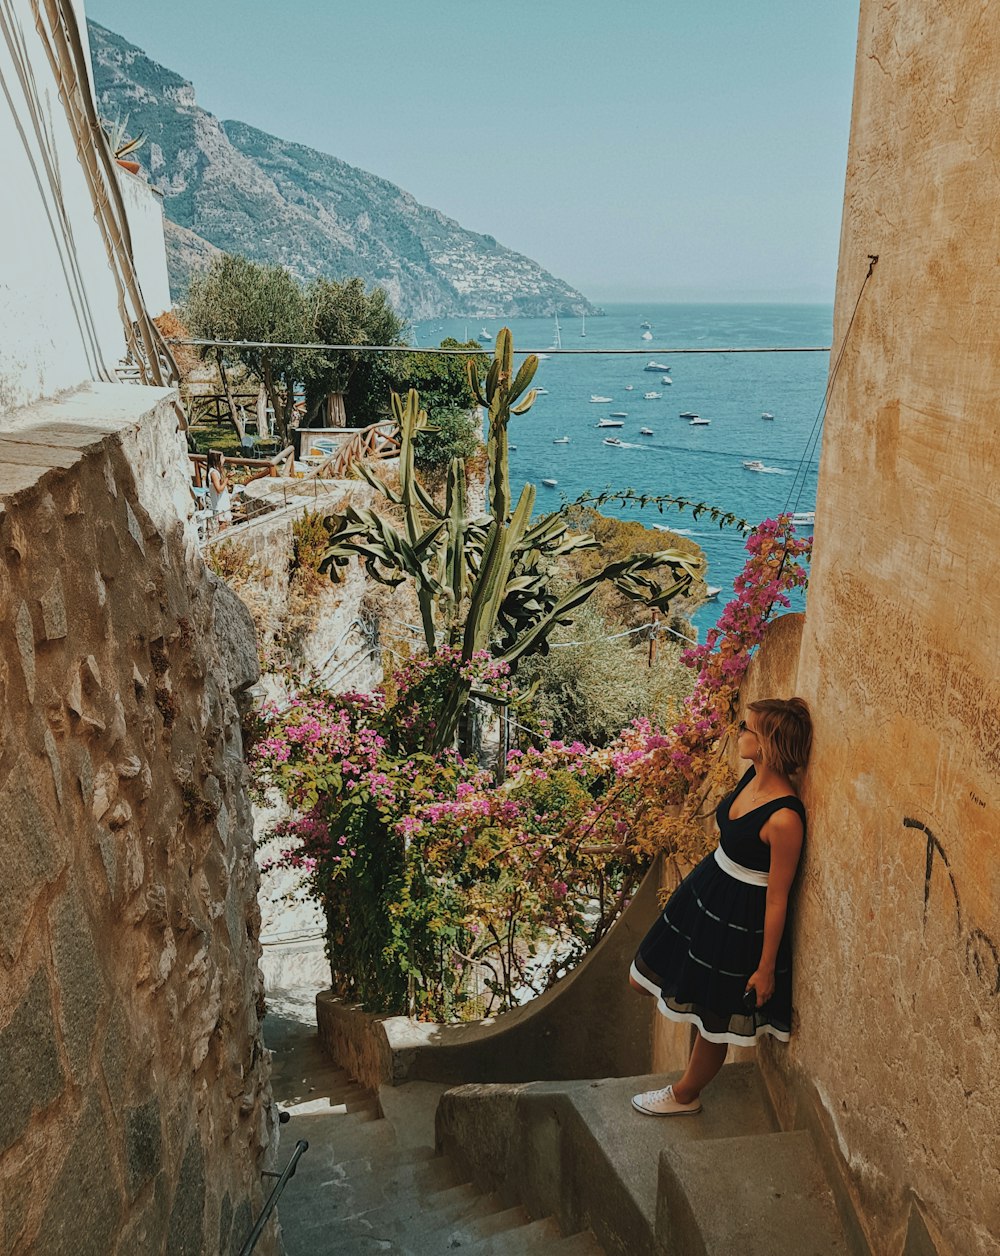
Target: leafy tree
x=237, y=299
x=441, y=380
x=453, y=434
x=344, y=313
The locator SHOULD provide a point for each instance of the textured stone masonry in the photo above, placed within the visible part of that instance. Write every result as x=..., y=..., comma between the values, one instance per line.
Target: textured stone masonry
x=134, y=1099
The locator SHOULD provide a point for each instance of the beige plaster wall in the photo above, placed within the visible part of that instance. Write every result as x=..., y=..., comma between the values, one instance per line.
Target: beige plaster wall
x=134, y=1101
x=897, y=1045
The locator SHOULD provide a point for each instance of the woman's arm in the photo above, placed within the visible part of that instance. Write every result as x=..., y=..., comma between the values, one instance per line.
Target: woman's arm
x=783, y=833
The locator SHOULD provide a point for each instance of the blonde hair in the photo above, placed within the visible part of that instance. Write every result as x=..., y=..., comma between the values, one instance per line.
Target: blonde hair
x=784, y=730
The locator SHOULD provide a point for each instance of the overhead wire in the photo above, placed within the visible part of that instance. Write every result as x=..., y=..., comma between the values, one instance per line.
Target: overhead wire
x=487, y=352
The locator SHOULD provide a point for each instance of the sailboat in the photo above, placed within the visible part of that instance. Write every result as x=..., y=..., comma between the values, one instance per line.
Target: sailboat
x=583, y=329
x=557, y=339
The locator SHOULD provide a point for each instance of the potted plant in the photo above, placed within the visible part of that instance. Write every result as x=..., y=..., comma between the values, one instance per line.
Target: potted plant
x=122, y=145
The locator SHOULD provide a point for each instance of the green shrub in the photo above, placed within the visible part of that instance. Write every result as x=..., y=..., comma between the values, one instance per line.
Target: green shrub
x=589, y=692
x=457, y=436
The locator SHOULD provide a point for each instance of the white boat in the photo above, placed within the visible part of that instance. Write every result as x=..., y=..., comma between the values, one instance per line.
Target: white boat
x=767, y=415
x=611, y=440
x=485, y=335
x=560, y=440
x=656, y=366
x=597, y=400
x=645, y=324
x=550, y=483
x=666, y=380
x=754, y=464
x=699, y=422
x=712, y=591
x=609, y=423
x=645, y=431
x=511, y=448
x=687, y=414
x=541, y=392
x=583, y=329
x=542, y=357
x=804, y=518
x=629, y=387
x=651, y=396
x=619, y=414
x=557, y=337
x=647, y=335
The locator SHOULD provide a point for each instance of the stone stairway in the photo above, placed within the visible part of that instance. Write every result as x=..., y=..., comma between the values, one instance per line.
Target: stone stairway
x=371, y=1181
x=726, y=1181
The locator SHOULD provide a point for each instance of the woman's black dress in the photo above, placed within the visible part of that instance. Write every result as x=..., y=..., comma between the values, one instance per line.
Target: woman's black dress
x=700, y=953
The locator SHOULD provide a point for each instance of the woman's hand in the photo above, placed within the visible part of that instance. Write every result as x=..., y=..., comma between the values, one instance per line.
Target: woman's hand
x=763, y=982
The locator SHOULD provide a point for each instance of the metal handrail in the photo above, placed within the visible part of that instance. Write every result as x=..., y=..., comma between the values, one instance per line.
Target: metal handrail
x=301, y=1147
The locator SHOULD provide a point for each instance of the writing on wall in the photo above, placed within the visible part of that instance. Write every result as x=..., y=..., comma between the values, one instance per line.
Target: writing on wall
x=981, y=955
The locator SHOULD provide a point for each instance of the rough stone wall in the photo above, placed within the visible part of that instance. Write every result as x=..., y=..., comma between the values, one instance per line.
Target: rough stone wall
x=897, y=1048
x=134, y=1102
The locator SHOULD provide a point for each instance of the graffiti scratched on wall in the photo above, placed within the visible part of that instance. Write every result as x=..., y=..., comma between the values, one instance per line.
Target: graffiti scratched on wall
x=981, y=955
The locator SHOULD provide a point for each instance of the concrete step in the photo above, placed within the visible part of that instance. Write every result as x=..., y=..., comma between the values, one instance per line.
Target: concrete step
x=580, y=1151
x=777, y=1199
x=371, y=1181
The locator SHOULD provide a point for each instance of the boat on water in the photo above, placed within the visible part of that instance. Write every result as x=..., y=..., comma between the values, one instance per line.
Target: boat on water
x=699, y=422
x=583, y=329
x=596, y=399
x=754, y=464
x=804, y=518
x=511, y=448
x=550, y=483
x=612, y=440
x=619, y=414
x=541, y=392
x=543, y=357
x=629, y=387
x=560, y=440
x=645, y=431
x=768, y=415
x=712, y=592
x=645, y=324
x=647, y=335
x=557, y=336
x=651, y=396
x=609, y=423
x=485, y=335
x=656, y=366
x=666, y=380
x=687, y=414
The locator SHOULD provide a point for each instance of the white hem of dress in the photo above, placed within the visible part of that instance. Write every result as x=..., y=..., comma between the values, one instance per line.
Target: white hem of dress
x=692, y=1018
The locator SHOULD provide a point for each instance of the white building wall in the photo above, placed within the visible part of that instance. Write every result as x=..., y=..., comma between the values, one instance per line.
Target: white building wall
x=60, y=322
x=144, y=208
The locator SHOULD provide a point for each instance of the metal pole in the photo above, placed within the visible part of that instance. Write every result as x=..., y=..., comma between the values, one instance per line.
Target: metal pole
x=300, y=1148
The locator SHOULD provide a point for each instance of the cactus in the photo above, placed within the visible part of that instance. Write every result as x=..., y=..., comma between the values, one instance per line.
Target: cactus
x=484, y=583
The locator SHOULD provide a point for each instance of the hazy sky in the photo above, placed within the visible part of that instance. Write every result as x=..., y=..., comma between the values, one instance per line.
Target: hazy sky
x=668, y=151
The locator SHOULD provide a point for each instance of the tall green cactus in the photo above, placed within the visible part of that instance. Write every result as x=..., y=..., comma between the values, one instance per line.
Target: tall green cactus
x=487, y=582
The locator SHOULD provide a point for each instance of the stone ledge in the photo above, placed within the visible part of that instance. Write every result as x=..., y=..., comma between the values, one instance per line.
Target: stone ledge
x=52, y=435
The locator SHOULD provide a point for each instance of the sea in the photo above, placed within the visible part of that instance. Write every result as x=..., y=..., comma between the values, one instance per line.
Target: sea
x=701, y=463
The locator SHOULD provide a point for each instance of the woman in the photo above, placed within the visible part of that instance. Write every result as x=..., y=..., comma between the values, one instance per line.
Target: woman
x=219, y=498
x=719, y=956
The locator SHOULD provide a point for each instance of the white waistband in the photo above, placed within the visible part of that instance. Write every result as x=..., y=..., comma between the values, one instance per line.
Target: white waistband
x=750, y=875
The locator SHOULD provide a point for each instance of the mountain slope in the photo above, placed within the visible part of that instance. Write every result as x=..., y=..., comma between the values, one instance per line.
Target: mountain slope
x=242, y=190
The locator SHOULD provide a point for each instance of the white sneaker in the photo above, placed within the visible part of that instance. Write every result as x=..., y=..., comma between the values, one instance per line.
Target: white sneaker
x=663, y=1103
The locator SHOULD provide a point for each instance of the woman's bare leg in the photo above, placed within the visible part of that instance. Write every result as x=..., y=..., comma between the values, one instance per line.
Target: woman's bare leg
x=705, y=1061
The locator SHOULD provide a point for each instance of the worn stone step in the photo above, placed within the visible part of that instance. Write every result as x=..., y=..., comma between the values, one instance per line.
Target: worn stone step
x=778, y=1202
x=537, y=1238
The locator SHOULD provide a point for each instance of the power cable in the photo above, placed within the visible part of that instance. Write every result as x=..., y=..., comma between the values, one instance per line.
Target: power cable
x=472, y=353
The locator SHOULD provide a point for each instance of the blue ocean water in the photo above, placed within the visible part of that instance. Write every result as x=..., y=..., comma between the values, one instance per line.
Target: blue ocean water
x=700, y=463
